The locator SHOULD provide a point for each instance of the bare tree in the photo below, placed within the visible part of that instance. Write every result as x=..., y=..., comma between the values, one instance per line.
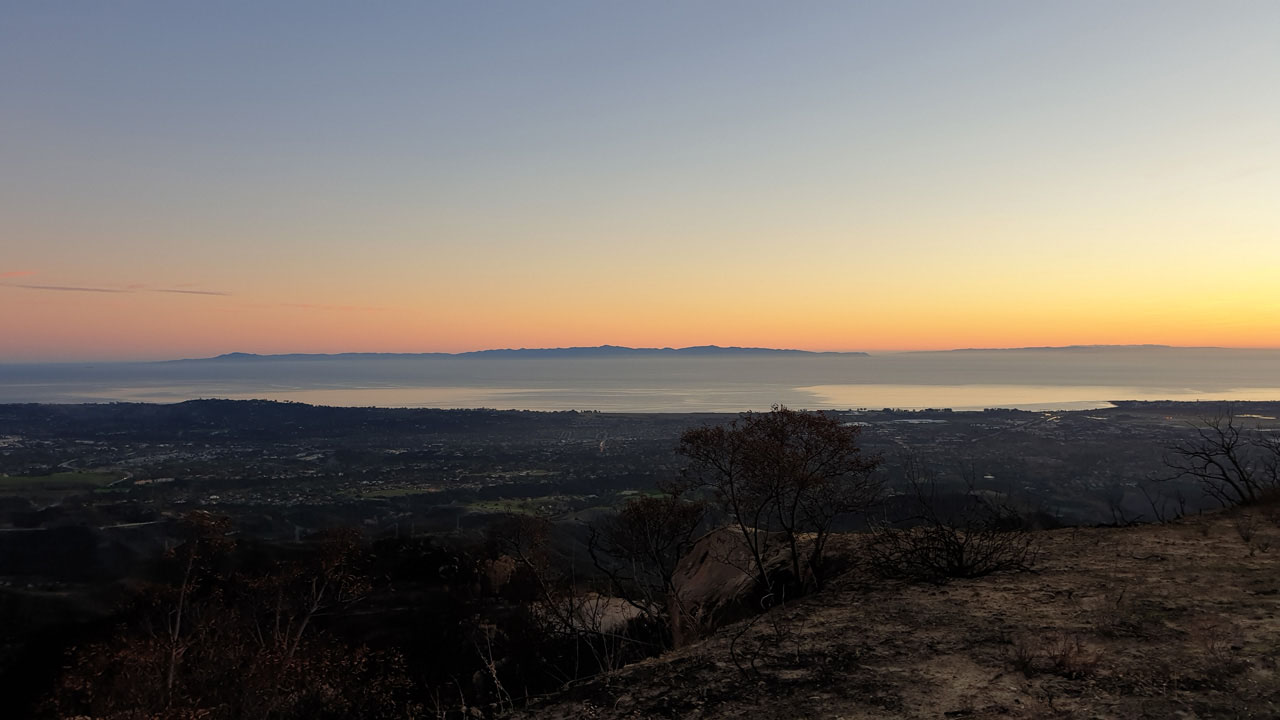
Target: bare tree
x=561, y=607
x=205, y=539
x=783, y=477
x=1229, y=463
x=284, y=601
x=1165, y=507
x=639, y=549
x=213, y=644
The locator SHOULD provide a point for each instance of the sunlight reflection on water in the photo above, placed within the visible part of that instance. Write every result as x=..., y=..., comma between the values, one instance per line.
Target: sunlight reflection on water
x=701, y=399
x=1022, y=397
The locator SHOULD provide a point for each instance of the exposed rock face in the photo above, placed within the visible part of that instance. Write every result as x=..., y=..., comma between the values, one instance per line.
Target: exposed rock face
x=716, y=582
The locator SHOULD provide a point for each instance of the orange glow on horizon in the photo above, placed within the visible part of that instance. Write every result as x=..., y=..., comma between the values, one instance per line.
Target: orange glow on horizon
x=69, y=326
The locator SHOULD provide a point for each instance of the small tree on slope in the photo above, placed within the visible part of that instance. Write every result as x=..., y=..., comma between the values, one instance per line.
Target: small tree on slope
x=781, y=479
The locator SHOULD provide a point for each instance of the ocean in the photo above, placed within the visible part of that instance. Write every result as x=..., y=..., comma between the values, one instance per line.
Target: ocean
x=1030, y=379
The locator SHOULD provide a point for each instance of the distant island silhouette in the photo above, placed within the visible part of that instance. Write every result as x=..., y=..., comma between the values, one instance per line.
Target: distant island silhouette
x=598, y=351
x=621, y=351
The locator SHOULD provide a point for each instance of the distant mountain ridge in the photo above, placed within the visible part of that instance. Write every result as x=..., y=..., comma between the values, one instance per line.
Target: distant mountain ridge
x=621, y=351
x=599, y=351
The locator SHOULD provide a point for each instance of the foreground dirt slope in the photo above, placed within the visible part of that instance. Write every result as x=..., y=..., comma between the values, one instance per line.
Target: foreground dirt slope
x=1174, y=621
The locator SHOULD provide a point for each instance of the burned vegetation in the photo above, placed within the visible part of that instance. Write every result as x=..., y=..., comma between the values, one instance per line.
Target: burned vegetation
x=769, y=527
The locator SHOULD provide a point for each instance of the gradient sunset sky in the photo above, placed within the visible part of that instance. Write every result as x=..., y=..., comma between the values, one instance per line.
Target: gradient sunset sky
x=186, y=179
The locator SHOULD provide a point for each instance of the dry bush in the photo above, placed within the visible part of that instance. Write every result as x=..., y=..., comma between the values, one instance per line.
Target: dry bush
x=1123, y=613
x=979, y=537
x=1070, y=656
x=1023, y=656
x=1217, y=639
x=1250, y=528
x=1062, y=653
x=939, y=552
x=1246, y=526
x=1218, y=642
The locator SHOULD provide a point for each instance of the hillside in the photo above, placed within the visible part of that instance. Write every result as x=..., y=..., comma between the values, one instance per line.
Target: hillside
x=1159, y=621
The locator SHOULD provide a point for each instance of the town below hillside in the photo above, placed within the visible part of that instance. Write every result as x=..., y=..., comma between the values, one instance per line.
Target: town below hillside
x=289, y=468
x=485, y=562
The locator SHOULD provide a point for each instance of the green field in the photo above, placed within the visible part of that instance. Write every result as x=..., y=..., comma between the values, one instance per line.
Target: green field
x=55, y=484
x=394, y=492
x=520, y=506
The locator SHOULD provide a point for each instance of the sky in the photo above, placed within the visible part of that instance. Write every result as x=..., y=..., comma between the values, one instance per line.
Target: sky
x=187, y=179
